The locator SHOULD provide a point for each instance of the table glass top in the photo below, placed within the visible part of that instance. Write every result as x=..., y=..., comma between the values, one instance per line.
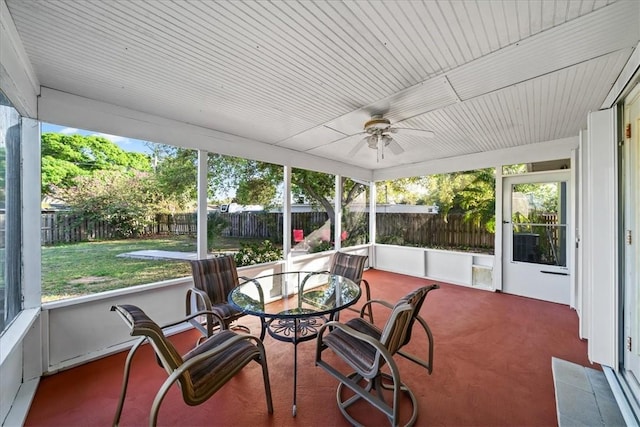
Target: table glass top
x=321, y=293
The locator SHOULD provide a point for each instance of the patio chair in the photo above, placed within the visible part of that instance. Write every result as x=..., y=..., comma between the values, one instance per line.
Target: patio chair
x=352, y=267
x=200, y=372
x=367, y=349
x=298, y=237
x=347, y=265
x=214, y=279
x=375, y=331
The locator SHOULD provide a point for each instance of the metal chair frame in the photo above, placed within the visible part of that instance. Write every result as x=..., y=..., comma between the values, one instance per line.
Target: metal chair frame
x=347, y=339
x=179, y=370
x=425, y=363
x=199, y=300
x=341, y=265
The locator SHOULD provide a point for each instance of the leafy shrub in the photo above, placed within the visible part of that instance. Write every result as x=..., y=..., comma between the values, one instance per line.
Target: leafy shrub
x=122, y=200
x=391, y=240
x=320, y=246
x=257, y=253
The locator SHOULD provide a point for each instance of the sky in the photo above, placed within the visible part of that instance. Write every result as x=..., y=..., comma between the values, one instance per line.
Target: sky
x=127, y=144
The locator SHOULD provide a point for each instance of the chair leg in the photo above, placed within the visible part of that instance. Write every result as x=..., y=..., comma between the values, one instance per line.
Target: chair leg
x=428, y=364
x=157, y=401
x=265, y=377
x=373, y=394
x=367, y=291
x=369, y=310
x=125, y=380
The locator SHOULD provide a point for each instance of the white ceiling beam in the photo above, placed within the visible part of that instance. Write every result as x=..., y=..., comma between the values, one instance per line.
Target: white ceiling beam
x=75, y=111
x=543, y=151
x=18, y=81
x=631, y=69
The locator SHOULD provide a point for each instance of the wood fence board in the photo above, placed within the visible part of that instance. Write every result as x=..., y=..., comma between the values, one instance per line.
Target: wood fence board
x=414, y=229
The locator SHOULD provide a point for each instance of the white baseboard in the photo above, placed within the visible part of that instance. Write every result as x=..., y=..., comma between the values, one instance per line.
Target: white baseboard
x=18, y=413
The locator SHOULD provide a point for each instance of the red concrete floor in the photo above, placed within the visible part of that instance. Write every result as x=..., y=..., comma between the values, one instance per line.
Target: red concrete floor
x=492, y=367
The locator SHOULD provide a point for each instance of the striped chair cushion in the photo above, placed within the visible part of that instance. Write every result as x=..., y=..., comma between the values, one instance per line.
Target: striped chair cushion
x=398, y=333
x=213, y=372
x=362, y=356
x=216, y=276
x=348, y=265
x=359, y=354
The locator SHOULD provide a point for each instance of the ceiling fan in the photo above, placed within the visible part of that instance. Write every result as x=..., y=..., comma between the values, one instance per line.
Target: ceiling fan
x=378, y=136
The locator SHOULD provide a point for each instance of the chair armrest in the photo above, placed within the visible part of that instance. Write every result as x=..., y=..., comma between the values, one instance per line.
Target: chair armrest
x=428, y=364
x=175, y=375
x=381, y=349
x=210, y=315
x=219, y=349
x=258, y=287
x=195, y=295
x=334, y=324
x=309, y=274
x=370, y=303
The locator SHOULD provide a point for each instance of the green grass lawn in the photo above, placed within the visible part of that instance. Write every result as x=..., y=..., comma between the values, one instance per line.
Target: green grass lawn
x=90, y=267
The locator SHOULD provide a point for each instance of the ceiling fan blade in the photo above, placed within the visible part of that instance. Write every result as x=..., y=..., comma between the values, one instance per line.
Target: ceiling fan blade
x=413, y=132
x=357, y=147
x=347, y=138
x=395, y=147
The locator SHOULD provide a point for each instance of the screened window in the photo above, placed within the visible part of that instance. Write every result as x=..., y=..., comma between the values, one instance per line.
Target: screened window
x=10, y=213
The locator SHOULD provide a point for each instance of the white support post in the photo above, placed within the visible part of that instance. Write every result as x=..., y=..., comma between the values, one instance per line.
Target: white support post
x=31, y=213
x=498, y=235
x=372, y=212
x=286, y=218
x=337, y=232
x=372, y=223
x=202, y=204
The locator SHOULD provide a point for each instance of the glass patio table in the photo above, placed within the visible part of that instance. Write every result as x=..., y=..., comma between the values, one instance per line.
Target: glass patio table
x=309, y=299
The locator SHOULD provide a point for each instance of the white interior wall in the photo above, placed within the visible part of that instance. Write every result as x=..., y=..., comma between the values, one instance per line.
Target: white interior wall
x=82, y=329
x=442, y=265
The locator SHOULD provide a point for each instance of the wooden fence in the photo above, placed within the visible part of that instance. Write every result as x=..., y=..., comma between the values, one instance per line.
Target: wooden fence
x=62, y=227
x=415, y=229
x=268, y=225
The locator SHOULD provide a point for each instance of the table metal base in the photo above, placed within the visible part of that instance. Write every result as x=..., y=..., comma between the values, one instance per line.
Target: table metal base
x=295, y=330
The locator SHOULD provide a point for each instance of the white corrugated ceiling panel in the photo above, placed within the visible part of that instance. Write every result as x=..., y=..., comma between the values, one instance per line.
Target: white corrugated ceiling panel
x=604, y=31
x=301, y=73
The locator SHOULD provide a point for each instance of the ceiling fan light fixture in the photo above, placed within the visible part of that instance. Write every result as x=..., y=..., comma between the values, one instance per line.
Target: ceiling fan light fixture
x=372, y=141
x=378, y=135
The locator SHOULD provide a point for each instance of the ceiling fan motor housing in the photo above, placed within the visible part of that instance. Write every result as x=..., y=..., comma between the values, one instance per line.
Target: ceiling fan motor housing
x=377, y=125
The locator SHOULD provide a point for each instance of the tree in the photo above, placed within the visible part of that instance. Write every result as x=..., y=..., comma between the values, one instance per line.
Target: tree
x=66, y=157
x=410, y=190
x=176, y=175
x=478, y=199
x=126, y=201
x=471, y=193
x=256, y=191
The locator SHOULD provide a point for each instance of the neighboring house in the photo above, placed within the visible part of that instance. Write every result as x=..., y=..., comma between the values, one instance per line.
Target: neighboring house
x=234, y=207
x=53, y=204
